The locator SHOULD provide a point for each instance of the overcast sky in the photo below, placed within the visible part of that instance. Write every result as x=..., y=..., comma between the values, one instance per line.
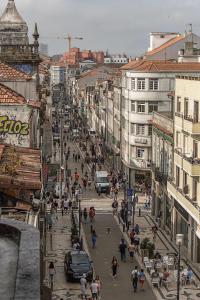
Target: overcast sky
x=116, y=25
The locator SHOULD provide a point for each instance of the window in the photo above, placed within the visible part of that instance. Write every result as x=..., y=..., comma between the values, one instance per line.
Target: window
x=132, y=128
x=133, y=84
x=195, y=149
x=150, y=130
x=141, y=107
x=153, y=84
x=153, y=106
x=141, y=83
x=186, y=103
x=178, y=104
x=140, y=129
x=132, y=105
x=140, y=153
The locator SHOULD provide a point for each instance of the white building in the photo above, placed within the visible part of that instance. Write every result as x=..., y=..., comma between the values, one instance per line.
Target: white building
x=145, y=89
x=166, y=45
x=58, y=74
x=116, y=59
x=43, y=49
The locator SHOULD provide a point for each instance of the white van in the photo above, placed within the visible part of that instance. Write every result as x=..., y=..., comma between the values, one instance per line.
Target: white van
x=101, y=181
x=57, y=189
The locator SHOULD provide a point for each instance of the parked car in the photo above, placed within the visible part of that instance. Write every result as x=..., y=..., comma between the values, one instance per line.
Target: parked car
x=76, y=264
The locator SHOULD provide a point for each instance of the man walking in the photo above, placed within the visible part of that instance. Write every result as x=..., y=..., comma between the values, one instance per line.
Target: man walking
x=134, y=277
x=122, y=249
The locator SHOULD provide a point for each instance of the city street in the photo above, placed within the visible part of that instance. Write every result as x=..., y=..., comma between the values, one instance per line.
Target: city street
x=107, y=247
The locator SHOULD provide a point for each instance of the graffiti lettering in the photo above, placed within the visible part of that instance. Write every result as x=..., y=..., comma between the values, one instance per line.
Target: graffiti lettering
x=13, y=126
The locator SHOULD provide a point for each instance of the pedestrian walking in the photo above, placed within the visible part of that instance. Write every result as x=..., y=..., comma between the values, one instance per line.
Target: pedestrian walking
x=114, y=267
x=98, y=281
x=83, y=287
x=142, y=278
x=137, y=229
x=131, y=249
x=52, y=272
x=134, y=278
x=85, y=215
x=94, y=238
x=122, y=249
x=91, y=214
x=65, y=206
x=94, y=290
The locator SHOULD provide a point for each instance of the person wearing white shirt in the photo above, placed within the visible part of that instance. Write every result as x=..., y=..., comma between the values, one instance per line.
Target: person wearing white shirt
x=94, y=289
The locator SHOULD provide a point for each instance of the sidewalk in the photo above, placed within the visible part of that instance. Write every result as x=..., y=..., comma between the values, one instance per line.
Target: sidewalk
x=164, y=246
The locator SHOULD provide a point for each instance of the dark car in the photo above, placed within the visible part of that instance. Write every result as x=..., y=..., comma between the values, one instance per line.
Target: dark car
x=76, y=264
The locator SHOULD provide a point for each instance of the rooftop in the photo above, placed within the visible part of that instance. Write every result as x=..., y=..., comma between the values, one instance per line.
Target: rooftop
x=8, y=96
x=166, y=45
x=9, y=73
x=20, y=167
x=11, y=15
x=161, y=66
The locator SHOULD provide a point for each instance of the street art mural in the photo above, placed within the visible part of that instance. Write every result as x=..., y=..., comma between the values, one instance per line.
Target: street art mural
x=15, y=125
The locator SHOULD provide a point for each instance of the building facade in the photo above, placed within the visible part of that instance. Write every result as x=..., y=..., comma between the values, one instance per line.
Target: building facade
x=58, y=74
x=184, y=187
x=162, y=166
x=145, y=89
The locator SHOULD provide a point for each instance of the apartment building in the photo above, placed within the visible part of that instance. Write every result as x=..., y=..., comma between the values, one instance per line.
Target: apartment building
x=145, y=89
x=184, y=188
x=162, y=166
x=58, y=74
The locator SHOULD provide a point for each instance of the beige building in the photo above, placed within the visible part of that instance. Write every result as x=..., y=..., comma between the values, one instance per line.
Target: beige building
x=184, y=188
x=162, y=166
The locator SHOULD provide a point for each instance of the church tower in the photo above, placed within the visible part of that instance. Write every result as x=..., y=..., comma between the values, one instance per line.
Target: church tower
x=13, y=29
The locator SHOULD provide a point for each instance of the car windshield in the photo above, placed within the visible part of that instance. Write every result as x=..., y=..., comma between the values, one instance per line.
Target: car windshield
x=102, y=180
x=80, y=259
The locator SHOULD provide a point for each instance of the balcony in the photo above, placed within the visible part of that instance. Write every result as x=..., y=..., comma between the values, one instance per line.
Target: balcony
x=188, y=204
x=189, y=164
x=187, y=123
x=140, y=164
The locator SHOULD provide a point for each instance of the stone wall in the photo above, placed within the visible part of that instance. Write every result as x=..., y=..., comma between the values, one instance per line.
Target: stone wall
x=28, y=271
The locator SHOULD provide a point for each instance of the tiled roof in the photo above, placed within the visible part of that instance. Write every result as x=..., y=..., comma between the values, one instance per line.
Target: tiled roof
x=7, y=72
x=161, y=66
x=9, y=96
x=166, y=45
x=20, y=167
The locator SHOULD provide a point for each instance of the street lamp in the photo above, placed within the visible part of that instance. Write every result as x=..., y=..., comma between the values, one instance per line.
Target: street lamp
x=179, y=243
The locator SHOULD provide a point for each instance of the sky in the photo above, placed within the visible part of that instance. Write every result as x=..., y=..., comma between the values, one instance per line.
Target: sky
x=121, y=26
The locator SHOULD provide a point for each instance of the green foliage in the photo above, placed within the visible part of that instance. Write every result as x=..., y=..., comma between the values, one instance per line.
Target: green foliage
x=146, y=244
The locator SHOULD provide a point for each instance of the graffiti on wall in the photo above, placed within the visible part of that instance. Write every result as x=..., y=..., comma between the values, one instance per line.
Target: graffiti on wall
x=15, y=125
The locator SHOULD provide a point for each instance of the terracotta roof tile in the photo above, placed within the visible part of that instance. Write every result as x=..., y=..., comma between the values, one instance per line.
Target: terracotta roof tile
x=20, y=167
x=7, y=72
x=166, y=45
x=9, y=96
x=161, y=66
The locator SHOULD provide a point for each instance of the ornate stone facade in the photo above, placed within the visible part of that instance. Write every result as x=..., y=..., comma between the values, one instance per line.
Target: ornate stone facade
x=13, y=29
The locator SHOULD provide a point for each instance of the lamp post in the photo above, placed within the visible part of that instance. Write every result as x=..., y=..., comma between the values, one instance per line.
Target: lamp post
x=179, y=243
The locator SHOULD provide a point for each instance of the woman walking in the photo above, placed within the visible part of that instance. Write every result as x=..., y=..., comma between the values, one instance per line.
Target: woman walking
x=114, y=267
x=98, y=281
x=142, y=279
x=85, y=215
x=94, y=238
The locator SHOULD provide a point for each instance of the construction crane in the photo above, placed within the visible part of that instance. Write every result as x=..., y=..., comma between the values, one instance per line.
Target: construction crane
x=68, y=37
